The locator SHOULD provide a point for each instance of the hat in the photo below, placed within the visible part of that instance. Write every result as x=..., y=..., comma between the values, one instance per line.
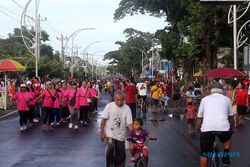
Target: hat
x=23, y=85
x=48, y=83
x=29, y=83
x=217, y=85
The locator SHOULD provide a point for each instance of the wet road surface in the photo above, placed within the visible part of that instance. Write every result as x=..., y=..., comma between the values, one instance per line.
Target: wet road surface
x=64, y=147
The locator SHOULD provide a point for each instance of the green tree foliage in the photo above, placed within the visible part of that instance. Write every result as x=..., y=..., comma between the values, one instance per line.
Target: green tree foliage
x=193, y=31
x=14, y=48
x=127, y=59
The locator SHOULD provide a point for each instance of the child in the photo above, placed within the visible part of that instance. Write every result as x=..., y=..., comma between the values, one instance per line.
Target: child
x=139, y=135
x=190, y=114
x=164, y=101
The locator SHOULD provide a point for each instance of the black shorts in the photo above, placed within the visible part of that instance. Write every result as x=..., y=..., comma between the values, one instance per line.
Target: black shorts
x=191, y=121
x=241, y=110
x=144, y=98
x=207, y=140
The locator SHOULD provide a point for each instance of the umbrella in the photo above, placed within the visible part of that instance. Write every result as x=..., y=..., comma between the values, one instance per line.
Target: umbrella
x=10, y=65
x=7, y=65
x=225, y=72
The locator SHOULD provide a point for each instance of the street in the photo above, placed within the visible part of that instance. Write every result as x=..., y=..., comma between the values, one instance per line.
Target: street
x=63, y=147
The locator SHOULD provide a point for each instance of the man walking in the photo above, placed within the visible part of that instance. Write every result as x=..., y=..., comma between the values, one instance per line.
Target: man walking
x=116, y=117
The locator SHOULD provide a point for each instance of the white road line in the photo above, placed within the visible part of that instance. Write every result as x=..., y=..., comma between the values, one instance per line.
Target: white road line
x=247, y=118
x=6, y=115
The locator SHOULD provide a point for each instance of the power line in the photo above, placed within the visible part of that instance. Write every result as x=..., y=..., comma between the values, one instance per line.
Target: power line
x=8, y=15
x=9, y=11
x=52, y=27
x=20, y=6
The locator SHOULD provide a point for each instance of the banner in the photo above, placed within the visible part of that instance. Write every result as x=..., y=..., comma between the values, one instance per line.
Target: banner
x=150, y=73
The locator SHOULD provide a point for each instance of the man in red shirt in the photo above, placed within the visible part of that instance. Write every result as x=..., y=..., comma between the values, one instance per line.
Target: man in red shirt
x=131, y=96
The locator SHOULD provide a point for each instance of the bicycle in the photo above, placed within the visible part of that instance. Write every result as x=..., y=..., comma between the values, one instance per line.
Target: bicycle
x=142, y=108
x=215, y=157
x=139, y=160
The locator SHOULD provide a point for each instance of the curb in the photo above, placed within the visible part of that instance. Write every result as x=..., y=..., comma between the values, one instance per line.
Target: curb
x=6, y=115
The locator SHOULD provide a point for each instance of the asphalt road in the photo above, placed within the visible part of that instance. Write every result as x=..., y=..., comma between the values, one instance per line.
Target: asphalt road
x=63, y=147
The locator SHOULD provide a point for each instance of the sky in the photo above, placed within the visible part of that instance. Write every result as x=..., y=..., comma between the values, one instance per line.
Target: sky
x=66, y=16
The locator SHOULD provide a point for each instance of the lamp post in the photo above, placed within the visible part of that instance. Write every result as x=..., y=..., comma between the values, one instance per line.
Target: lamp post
x=72, y=37
x=142, y=57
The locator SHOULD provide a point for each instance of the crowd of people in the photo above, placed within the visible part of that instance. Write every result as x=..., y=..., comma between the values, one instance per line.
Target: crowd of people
x=55, y=102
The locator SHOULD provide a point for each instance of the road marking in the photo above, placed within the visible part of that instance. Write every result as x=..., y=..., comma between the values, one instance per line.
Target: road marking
x=6, y=115
x=247, y=118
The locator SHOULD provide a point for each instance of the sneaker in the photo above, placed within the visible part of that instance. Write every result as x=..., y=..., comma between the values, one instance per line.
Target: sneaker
x=24, y=127
x=75, y=127
x=35, y=120
x=21, y=128
x=70, y=125
x=52, y=124
x=50, y=127
x=85, y=123
x=81, y=122
x=57, y=124
x=132, y=160
x=44, y=127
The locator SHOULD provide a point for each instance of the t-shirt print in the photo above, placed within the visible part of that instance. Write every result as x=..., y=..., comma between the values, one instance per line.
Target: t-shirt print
x=117, y=120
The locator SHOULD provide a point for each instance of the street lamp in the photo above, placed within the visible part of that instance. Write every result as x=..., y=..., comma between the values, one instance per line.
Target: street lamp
x=142, y=57
x=72, y=36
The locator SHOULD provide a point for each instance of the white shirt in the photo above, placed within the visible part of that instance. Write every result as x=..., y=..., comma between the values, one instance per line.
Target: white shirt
x=142, y=89
x=215, y=110
x=117, y=120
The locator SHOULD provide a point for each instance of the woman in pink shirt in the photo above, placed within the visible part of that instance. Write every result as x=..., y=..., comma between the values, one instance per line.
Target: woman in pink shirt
x=32, y=103
x=73, y=105
x=65, y=109
x=48, y=103
x=84, y=100
x=23, y=98
x=91, y=95
x=57, y=106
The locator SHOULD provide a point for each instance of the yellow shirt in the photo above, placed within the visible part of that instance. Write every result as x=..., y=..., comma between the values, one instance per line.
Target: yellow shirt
x=155, y=92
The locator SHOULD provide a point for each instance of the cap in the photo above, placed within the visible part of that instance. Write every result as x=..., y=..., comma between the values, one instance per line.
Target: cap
x=217, y=85
x=74, y=83
x=48, y=83
x=29, y=82
x=23, y=85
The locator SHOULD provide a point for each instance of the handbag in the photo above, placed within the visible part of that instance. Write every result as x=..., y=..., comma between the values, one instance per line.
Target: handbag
x=72, y=102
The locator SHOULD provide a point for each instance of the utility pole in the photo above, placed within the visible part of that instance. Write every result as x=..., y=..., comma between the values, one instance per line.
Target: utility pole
x=37, y=43
x=62, y=56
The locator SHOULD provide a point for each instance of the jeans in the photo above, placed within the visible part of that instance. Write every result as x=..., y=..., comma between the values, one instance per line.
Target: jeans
x=48, y=112
x=23, y=117
x=115, y=153
x=56, y=115
x=84, y=112
x=38, y=111
x=74, y=115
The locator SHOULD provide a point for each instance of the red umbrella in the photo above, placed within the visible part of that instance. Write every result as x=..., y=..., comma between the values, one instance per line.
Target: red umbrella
x=224, y=72
x=10, y=65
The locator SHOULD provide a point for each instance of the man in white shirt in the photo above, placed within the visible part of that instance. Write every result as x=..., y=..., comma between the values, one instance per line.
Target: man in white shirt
x=115, y=119
x=215, y=119
x=142, y=90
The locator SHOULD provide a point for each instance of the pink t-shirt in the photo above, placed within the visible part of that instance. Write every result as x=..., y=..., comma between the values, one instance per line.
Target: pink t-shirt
x=70, y=94
x=22, y=100
x=92, y=93
x=65, y=99
x=58, y=97
x=33, y=95
x=83, y=93
x=47, y=98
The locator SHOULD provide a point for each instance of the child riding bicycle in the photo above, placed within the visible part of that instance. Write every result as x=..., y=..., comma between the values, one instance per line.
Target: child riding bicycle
x=164, y=101
x=139, y=137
